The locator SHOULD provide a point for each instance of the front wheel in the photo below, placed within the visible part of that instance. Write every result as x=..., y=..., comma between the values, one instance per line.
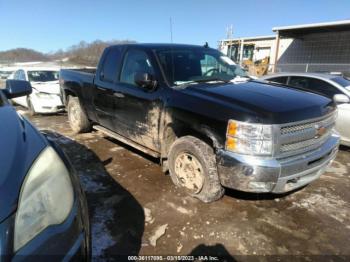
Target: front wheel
x=192, y=166
x=31, y=109
x=77, y=117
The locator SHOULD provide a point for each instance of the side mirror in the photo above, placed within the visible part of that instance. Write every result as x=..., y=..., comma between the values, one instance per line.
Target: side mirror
x=145, y=80
x=341, y=99
x=16, y=88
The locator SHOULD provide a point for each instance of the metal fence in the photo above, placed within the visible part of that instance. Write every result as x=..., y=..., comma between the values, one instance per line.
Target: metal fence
x=322, y=68
x=259, y=70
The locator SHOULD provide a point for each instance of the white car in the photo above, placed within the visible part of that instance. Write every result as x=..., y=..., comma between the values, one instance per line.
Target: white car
x=333, y=86
x=5, y=72
x=45, y=97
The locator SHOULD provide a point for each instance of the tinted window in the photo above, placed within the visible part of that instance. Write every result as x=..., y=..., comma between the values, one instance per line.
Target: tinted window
x=135, y=61
x=281, y=79
x=42, y=76
x=314, y=85
x=111, y=65
x=192, y=64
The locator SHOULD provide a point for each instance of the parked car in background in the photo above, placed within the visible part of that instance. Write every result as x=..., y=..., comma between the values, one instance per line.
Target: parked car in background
x=335, y=87
x=5, y=72
x=45, y=97
x=209, y=124
x=43, y=210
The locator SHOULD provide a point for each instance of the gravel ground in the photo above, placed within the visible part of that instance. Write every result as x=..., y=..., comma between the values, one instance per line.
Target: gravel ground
x=135, y=209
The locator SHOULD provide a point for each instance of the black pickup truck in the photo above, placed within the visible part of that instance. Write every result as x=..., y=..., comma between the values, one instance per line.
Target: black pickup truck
x=210, y=125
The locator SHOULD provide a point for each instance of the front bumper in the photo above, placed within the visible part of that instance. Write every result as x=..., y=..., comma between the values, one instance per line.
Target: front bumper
x=50, y=104
x=254, y=174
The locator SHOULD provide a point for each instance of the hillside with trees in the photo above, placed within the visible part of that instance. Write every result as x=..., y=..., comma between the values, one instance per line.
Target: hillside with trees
x=86, y=54
x=22, y=55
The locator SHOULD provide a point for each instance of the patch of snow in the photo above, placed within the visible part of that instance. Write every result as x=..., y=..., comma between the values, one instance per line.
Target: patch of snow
x=180, y=209
x=89, y=184
x=179, y=247
x=148, y=215
x=333, y=206
x=158, y=233
x=100, y=233
x=337, y=168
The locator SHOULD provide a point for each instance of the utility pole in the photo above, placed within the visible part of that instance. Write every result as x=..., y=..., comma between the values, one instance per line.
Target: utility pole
x=229, y=32
x=171, y=30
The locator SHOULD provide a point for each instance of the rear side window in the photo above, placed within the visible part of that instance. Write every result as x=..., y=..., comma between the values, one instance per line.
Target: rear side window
x=280, y=80
x=111, y=65
x=314, y=85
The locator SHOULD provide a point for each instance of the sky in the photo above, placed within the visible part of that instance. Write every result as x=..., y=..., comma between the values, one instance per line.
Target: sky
x=49, y=25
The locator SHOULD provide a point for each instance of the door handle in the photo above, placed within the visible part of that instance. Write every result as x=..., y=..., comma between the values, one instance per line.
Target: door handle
x=102, y=88
x=117, y=94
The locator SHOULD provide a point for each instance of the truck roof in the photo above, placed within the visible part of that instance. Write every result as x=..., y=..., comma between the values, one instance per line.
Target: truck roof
x=160, y=45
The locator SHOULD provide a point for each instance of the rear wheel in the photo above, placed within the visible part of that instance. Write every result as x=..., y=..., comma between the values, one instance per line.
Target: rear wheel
x=77, y=117
x=192, y=166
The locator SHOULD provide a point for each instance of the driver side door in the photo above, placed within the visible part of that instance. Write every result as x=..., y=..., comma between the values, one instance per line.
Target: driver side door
x=140, y=108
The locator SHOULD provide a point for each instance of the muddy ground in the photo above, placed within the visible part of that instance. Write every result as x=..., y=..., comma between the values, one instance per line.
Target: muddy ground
x=135, y=209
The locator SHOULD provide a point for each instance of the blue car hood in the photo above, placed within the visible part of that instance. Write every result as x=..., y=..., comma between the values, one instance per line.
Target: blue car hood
x=20, y=144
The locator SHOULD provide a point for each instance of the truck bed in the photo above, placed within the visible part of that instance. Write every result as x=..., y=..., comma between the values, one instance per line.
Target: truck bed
x=91, y=70
x=72, y=81
x=83, y=76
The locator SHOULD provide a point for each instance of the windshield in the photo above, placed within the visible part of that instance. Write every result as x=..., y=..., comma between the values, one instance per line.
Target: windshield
x=343, y=81
x=42, y=76
x=197, y=65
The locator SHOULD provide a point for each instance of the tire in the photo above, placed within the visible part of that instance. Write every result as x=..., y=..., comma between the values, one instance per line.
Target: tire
x=192, y=167
x=31, y=109
x=77, y=117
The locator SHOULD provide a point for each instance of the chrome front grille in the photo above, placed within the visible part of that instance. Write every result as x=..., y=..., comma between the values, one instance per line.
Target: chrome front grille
x=305, y=136
x=305, y=144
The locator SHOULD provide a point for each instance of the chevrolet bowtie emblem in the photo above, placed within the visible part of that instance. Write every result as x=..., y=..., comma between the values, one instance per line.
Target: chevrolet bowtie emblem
x=320, y=131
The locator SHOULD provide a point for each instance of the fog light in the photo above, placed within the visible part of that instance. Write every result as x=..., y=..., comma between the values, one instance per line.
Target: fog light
x=261, y=186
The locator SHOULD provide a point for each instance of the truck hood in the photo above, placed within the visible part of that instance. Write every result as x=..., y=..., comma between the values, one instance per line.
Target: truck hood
x=274, y=104
x=51, y=87
x=20, y=144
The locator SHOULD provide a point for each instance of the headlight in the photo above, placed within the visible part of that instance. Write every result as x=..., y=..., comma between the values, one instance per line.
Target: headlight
x=46, y=197
x=249, y=139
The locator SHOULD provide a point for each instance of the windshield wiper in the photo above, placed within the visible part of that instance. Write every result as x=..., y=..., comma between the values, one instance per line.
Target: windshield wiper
x=210, y=80
x=185, y=83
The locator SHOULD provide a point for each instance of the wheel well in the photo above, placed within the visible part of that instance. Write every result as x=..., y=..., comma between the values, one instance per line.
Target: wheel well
x=172, y=133
x=68, y=93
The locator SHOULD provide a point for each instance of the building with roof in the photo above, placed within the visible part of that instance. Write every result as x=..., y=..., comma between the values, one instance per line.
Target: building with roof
x=318, y=47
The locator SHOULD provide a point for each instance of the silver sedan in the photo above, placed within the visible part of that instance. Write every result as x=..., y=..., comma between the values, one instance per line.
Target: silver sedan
x=329, y=85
